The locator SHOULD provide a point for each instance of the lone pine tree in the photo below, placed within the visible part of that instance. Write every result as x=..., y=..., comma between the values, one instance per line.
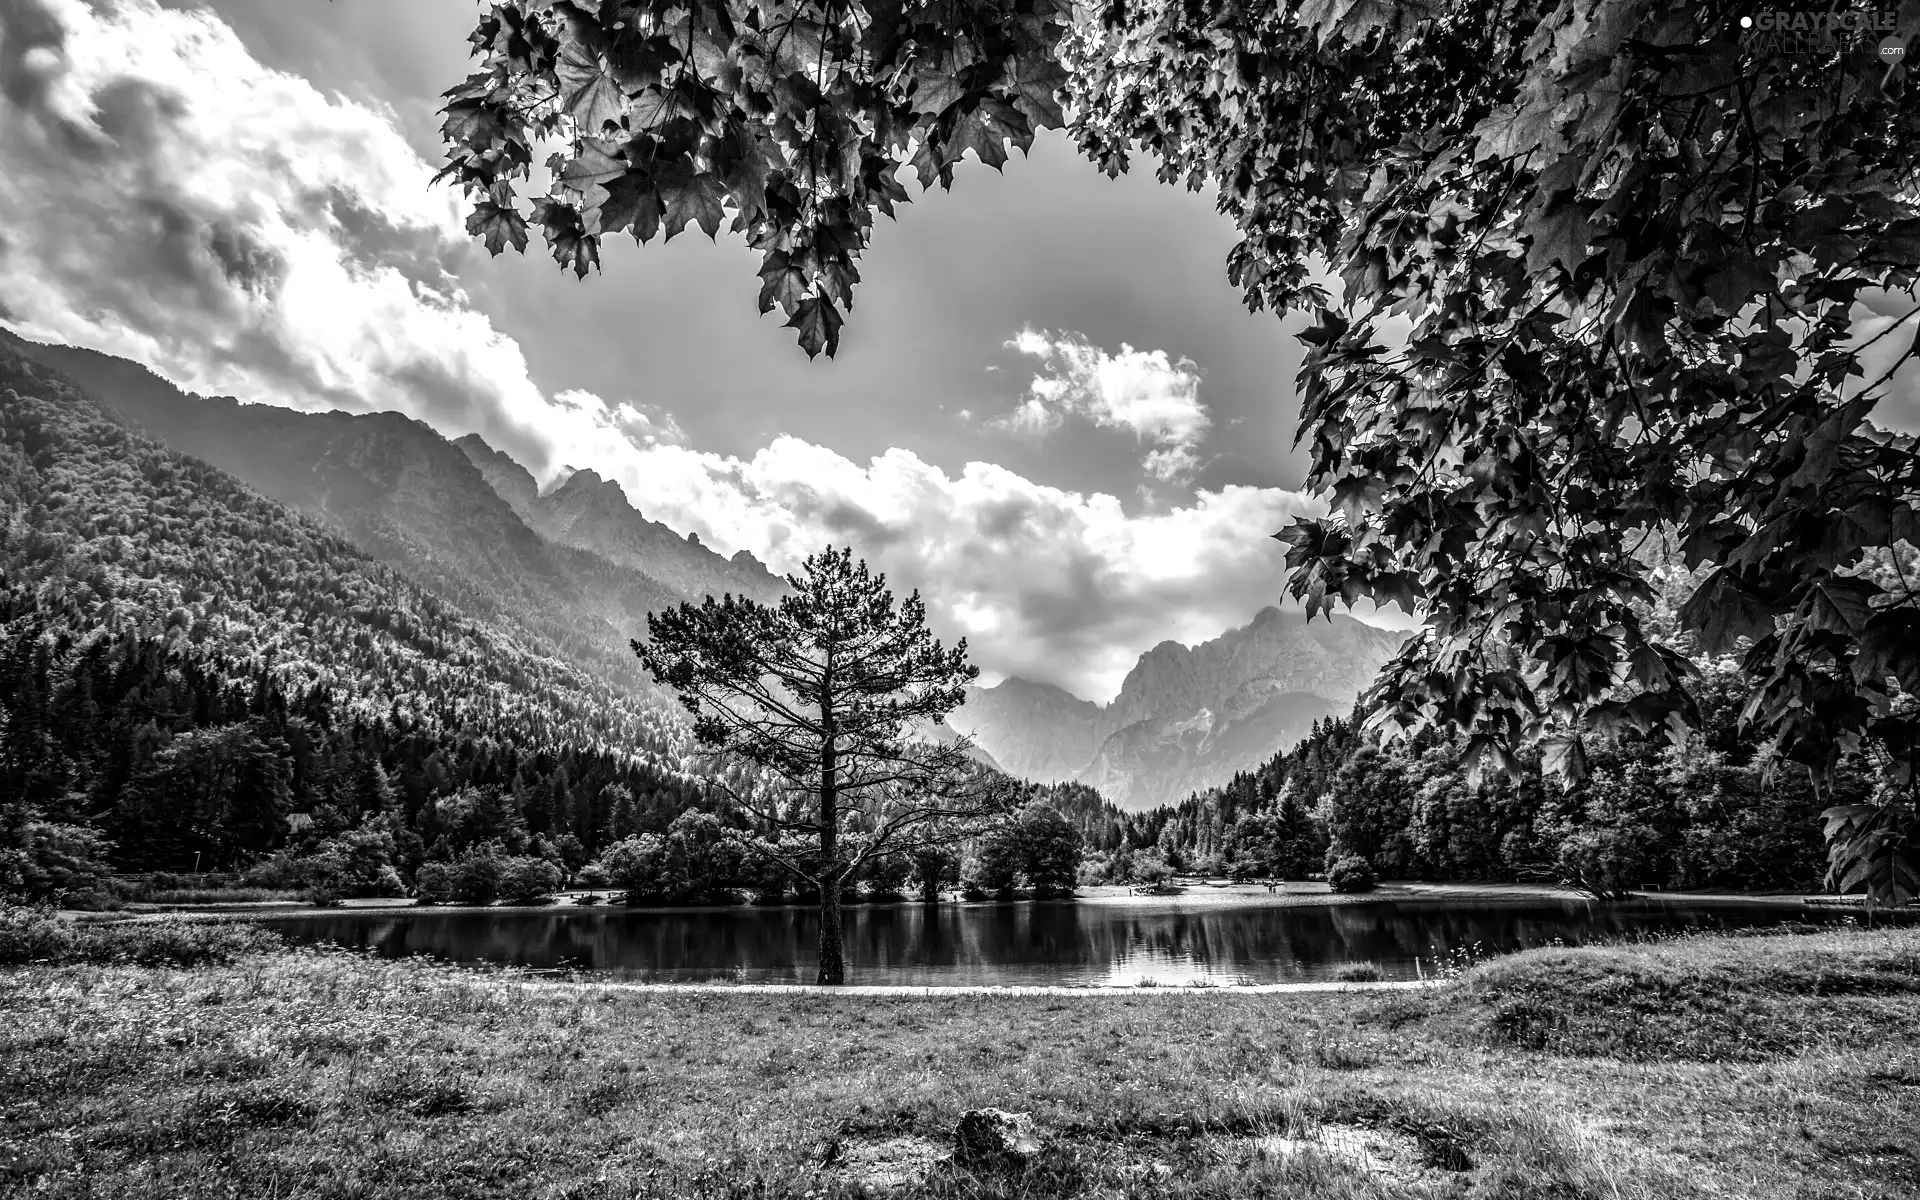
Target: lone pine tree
x=1658, y=274
x=826, y=691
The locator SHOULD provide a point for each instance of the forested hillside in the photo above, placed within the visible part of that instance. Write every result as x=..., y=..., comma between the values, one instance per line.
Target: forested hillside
x=1704, y=815
x=184, y=662
x=406, y=496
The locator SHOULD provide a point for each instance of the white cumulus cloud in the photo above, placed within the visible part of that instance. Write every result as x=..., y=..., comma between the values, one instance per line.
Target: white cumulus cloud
x=169, y=198
x=1141, y=391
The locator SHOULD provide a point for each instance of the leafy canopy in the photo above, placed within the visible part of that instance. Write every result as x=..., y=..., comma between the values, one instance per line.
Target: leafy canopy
x=787, y=122
x=1597, y=271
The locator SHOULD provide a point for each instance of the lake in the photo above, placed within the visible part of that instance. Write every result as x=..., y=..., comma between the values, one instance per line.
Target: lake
x=1167, y=941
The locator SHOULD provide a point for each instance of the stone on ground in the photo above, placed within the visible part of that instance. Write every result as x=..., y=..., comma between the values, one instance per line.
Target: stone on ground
x=988, y=1134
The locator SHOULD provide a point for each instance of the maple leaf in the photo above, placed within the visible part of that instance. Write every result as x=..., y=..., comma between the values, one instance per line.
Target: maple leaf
x=1564, y=758
x=1036, y=93
x=1842, y=604
x=593, y=166
x=1356, y=496
x=1890, y=645
x=627, y=202
x=1724, y=610
x=588, y=93
x=819, y=325
x=698, y=200
x=936, y=91
x=1559, y=236
x=782, y=282
x=567, y=238
x=498, y=225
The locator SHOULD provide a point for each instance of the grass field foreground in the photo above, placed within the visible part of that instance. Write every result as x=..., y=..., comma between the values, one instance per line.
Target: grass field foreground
x=1758, y=1066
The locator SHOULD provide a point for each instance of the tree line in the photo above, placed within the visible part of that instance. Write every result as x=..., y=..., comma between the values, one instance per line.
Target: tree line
x=1706, y=813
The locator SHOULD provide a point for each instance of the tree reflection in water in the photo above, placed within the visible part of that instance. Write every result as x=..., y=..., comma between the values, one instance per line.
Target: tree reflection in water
x=1059, y=942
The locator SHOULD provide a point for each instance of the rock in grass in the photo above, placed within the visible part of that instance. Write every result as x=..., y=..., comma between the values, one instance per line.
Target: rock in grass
x=985, y=1135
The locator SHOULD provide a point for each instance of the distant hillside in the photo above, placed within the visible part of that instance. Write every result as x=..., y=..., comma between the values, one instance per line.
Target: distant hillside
x=400, y=492
x=1186, y=718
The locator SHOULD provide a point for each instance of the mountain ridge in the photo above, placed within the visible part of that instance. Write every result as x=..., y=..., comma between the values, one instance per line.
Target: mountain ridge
x=1186, y=717
x=588, y=511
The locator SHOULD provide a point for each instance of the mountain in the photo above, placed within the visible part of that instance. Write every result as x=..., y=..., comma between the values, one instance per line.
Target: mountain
x=589, y=512
x=104, y=532
x=1186, y=718
x=1034, y=730
x=411, y=498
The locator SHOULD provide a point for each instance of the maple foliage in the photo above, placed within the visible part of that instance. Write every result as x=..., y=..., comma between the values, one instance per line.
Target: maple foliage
x=1581, y=272
x=784, y=122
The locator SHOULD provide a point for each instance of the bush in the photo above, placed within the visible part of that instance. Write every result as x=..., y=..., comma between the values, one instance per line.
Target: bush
x=1149, y=869
x=528, y=880
x=935, y=868
x=56, y=861
x=695, y=862
x=477, y=876
x=886, y=876
x=1351, y=874
x=593, y=877
x=35, y=935
x=433, y=883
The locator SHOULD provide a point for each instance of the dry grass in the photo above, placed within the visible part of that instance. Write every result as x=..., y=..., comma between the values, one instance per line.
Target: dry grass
x=302, y=1074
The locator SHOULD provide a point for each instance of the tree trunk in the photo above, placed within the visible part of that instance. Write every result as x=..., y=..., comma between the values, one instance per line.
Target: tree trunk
x=833, y=963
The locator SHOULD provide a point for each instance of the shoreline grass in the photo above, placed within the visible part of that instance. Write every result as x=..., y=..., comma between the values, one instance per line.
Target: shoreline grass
x=1765, y=1066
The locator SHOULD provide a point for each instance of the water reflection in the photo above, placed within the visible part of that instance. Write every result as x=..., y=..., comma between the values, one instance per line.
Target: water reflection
x=1058, y=942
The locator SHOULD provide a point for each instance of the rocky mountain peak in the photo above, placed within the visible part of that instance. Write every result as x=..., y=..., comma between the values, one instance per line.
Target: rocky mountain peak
x=1186, y=716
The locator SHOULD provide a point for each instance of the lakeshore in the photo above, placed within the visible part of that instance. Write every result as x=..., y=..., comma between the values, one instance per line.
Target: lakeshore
x=1764, y=1067
x=1192, y=893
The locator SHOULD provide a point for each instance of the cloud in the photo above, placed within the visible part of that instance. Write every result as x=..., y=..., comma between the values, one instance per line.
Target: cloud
x=1141, y=391
x=169, y=199
x=1885, y=328
x=1051, y=584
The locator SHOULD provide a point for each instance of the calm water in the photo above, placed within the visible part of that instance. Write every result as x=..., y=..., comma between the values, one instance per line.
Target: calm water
x=1018, y=943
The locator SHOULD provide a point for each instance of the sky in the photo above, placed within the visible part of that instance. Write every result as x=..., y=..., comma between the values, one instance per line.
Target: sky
x=1049, y=412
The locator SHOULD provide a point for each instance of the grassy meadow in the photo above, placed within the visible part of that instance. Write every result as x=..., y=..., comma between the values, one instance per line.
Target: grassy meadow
x=1757, y=1066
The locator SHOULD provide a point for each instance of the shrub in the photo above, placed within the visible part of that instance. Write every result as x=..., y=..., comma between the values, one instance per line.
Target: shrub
x=477, y=876
x=1149, y=869
x=634, y=865
x=29, y=935
x=695, y=862
x=935, y=868
x=433, y=883
x=1351, y=874
x=886, y=876
x=57, y=861
x=593, y=877
x=528, y=880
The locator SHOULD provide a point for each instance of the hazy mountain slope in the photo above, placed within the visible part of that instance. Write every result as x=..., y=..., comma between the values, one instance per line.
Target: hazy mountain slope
x=1185, y=717
x=402, y=493
x=1162, y=760
x=1035, y=730
x=104, y=530
x=590, y=512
